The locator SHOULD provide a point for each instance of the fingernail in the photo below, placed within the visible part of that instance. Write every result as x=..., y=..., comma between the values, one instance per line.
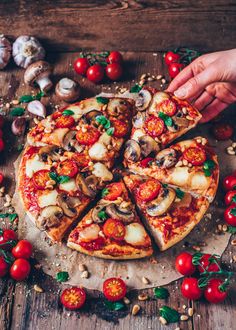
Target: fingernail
x=181, y=93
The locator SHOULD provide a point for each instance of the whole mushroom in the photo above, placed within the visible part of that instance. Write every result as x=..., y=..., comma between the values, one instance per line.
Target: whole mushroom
x=39, y=73
x=26, y=50
x=5, y=51
x=68, y=90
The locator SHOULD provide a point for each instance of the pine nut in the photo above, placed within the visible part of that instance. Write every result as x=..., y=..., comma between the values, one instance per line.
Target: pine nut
x=85, y=274
x=126, y=300
x=37, y=288
x=162, y=320
x=233, y=242
x=82, y=267
x=135, y=309
x=225, y=228
x=158, y=77
x=190, y=311
x=183, y=317
x=142, y=297
x=145, y=280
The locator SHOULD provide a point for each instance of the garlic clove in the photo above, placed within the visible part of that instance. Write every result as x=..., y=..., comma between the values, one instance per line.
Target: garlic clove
x=18, y=126
x=37, y=108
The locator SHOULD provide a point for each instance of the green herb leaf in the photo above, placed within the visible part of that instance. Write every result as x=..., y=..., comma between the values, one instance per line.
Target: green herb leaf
x=62, y=276
x=4, y=215
x=53, y=176
x=102, y=120
x=110, y=131
x=209, y=164
x=233, y=211
x=102, y=100
x=234, y=199
x=8, y=257
x=12, y=217
x=161, y=293
x=20, y=147
x=68, y=112
x=39, y=96
x=169, y=314
x=164, y=185
x=17, y=112
x=1, y=231
x=114, y=305
x=26, y=98
x=105, y=191
x=179, y=193
x=102, y=215
x=136, y=88
x=63, y=178
x=167, y=119
x=231, y=230
x=207, y=172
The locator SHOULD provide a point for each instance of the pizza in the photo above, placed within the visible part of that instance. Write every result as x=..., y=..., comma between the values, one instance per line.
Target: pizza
x=112, y=229
x=168, y=212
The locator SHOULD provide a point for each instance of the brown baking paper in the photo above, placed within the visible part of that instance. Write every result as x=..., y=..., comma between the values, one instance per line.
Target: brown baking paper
x=158, y=269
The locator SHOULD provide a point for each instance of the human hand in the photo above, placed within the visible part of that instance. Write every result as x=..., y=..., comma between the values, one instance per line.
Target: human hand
x=209, y=82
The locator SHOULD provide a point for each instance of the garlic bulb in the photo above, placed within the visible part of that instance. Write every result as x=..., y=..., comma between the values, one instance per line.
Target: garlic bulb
x=5, y=51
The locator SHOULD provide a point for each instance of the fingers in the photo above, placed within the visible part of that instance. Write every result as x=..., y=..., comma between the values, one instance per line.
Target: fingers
x=203, y=100
x=181, y=78
x=212, y=110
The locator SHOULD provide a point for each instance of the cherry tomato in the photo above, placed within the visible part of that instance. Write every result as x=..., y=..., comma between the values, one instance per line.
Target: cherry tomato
x=1, y=121
x=230, y=215
x=1, y=178
x=146, y=161
x=154, y=126
x=149, y=190
x=195, y=155
x=89, y=137
x=67, y=167
x=40, y=179
x=81, y=160
x=81, y=65
x=114, y=190
x=95, y=73
x=207, y=265
x=2, y=145
x=121, y=128
x=213, y=292
x=174, y=69
x=230, y=197
x=73, y=298
x=94, y=245
x=190, y=288
x=20, y=269
x=184, y=264
x=223, y=131
x=65, y=122
x=229, y=183
x=3, y=266
x=114, y=229
x=168, y=107
x=23, y=249
x=171, y=57
x=115, y=57
x=114, y=71
x=114, y=289
x=1, y=133
x=7, y=236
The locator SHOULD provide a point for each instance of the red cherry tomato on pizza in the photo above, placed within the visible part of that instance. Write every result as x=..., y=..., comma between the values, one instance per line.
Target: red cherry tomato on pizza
x=3, y=266
x=148, y=190
x=73, y=298
x=154, y=126
x=213, y=292
x=1, y=121
x=190, y=288
x=2, y=145
x=195, y=155
x=168, y=107
x=1, y=134
x=23, y=249
x=94, y=245
x=230, y=215
x=20, y=269
x=67, y=167
x=184, y=264
x=114, y=71
x=95, y=73
x=65, y=122
x=114, y=289
x=171, y=57
x=174, y=69
x=223, y=131
x=114, y=190
x=146, y=162
x=81, y=160
x=115, y=57
x=230, y=197
x=207, y=265
x=81, y=65
x=114, y=229
x=40, y=179
x=1, y=178
x=6, y=239
x=121, y=128
x=229, y=183
x=89, y=137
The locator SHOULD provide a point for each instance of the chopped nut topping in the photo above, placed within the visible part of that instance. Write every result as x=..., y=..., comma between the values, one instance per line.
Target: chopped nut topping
x=184, y=317
x=162, y=320
x=85, y=274
x=82, y=267
x=145, y=280
x=37, y=288
x=126, y=300
x=190, y=311
x=135, y=309
x=143, y=297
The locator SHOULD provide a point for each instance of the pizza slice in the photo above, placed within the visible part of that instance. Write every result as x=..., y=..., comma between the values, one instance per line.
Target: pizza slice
x=169, y=213
x=112, y=229
x=191, y=165
x=56, y=185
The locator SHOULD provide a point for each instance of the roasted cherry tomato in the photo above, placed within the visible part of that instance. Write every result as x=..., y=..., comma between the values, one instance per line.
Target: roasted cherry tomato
x=171, y=57
x=154, y=126
x=223, y=131
x=121, y=128
x=94, y=245
x=95, y=73
x=1, y=121
x=65, y=122
x=149, y=190
x=207, y=265
x=213, y=292
x=81, y=65
x=23, y=249
x=20, y=269
x=40, y=179
x=230, y=197
x=168, y=107
x=114, y=190
x=230, y=215
x=3, y=266
x=2, y=145
x=89, y=137
x=67, y=167
x=73, y=298
x=114, y=289
x=174, y=69
x=7, y=239
x=115, y=57
x=184, y=264
x=114, y=71
x=114, y=229
x=81, y=160
x=229, y=183
x=146, y=161
x=195, y=155
x=190, y=288
x=1, y=178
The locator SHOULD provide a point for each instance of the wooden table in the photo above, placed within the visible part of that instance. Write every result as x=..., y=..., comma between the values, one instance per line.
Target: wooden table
x=143, y=30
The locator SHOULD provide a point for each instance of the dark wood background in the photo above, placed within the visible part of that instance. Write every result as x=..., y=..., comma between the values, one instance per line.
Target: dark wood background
x=139, y=28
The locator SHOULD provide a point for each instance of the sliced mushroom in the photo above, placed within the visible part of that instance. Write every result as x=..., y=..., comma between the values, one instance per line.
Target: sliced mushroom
x=87, y=185
x=123, y=214
x=91, y=115
x=139, y=119
x=50, y=151
x=132, y=151
x=173, y=128
x=49, y=217
x=117, y=106
x=143, y=100
x=148, y=145
x=70, y=143
x=166, y=158
x=162, y=203
x=63, y=201
x=182, y=122
x=95, y=213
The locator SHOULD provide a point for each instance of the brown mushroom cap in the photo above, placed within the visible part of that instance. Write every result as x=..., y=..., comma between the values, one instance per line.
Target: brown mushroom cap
x=37, y=70
x=68, y=90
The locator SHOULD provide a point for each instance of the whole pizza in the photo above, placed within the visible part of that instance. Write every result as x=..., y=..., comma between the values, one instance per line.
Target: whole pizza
x=105, y=175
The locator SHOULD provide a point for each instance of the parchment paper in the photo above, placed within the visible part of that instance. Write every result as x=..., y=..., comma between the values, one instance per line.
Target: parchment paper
x=159, y=268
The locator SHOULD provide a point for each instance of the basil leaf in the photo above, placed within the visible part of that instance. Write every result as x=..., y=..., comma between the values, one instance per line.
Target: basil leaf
x=114, y=305
x=20, y=147
x=164, y=185
x=62, y=276
x=63, y=178
x=233, y=211
x=179, y=193
x=231, y=230
x=169, y=314
x=26, y=98
x=102, y=100
x=209, y=164
x=4, y=215
x=161, y=293
x=68, y=113
x=207, y=172
x=12, y=217
x=39, y=96
x=102, y=120
x=110, y=131
x=53, y=176
x=105, y=191
x=102, y=215
x=136, y=88
x=167, y=119
x=17, y=111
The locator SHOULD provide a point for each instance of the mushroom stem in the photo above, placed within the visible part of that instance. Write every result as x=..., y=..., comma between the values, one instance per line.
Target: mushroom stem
x=44, y=83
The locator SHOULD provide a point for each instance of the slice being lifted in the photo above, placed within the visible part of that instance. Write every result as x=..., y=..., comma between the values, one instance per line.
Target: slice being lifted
x=169, y=213
x=112, y=229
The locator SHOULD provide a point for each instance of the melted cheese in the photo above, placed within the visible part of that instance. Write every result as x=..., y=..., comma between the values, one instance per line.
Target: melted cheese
x=135, y=234
x=68, y=186
x=98, y=151
x=180, y=176
x=105, y=139
x=48, y=198
x=101, y=171
x=57, y=136
x=157, y=98
x=89, y=233
x=137, y=134
x=199, y=181
x=33, y=165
